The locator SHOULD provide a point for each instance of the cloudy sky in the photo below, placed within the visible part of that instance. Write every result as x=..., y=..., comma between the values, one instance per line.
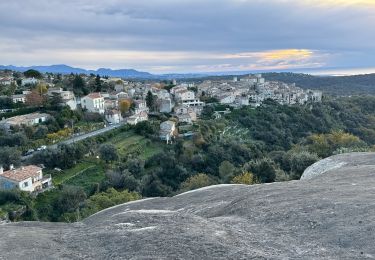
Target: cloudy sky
x=190, y=35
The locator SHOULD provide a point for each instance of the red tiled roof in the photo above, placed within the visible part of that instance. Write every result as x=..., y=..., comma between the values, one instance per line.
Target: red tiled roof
x=22, y=173
x=94, y=95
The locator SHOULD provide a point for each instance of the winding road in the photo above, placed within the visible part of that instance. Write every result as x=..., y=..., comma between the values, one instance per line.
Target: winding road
x=81, y=137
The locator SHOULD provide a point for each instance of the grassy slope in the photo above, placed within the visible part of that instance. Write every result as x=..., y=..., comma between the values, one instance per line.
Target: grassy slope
x=89, y=172
x=65, y=175
x=131, y=143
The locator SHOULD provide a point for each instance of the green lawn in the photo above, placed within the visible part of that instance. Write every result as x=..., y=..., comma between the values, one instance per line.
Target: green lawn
x=65, y=175
x=89, y=172
x=131, y=143
x=88, y=178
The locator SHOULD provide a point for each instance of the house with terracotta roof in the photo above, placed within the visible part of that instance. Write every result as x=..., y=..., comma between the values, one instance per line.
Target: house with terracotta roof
x=26, y=178
x=93, y=102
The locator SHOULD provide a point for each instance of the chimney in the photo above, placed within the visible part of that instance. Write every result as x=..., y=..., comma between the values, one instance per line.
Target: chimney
x=11, y=167
x=1, y=170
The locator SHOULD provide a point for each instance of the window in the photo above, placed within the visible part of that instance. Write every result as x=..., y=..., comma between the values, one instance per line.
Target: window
x=26, y=184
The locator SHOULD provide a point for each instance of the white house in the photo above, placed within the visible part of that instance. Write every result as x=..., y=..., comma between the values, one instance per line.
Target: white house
x=185, y=114
x=119, y=87
x=5, y=81
x=93, y=102
x=242, y=100
x=28, y=119
x=184, y=95
x=162, y=93
x=140, y=106
x=19, y=98
x=226, y=98
x=113, y=116
x=67, y=97
x=166, y=105
x=28, y=178
x=193, y=103
x=167, y=131
x=31, y=81
x=119, y=95
x=315, y=95
x=110, y=104
x=185, y=118
x=135, y=119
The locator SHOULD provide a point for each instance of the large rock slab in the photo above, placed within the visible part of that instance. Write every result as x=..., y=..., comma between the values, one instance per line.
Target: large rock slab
x=330, y=215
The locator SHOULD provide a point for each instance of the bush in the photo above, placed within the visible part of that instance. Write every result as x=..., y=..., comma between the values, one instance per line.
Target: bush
x=197, y=181
x=244, y=178
x=264, y=169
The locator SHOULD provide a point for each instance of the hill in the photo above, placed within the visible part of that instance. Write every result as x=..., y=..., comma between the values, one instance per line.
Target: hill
x=335, y=85
x=340, y=85
x=327, y=216
x=64, y=69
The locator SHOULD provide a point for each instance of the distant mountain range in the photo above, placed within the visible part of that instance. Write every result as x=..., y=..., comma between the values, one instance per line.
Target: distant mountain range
x=338, y=85
x=122, y=73
x=135, y=74
x=126, y=73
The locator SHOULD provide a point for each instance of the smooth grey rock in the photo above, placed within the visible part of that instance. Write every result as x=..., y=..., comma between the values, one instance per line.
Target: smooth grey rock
x=330, y=216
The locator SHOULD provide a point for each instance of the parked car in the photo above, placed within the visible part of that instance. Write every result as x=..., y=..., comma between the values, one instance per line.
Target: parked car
x=43, y=147
x=30, y=152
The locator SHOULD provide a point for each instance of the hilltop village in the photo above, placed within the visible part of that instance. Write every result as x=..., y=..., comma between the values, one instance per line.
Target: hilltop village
x=74, y=144
x=130, y=102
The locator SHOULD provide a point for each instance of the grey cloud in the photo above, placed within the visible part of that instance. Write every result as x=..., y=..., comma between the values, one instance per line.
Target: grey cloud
x=206, y=26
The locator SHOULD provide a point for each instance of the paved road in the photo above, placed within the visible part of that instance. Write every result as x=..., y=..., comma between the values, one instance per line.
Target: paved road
x=88, y=135
x=80, y=138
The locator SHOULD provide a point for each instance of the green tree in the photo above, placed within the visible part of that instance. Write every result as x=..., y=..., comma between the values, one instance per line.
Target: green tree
x=9, y=155
x=70, y=199
x=299, y=161
x=79, y=86
x=325, y=144
x=145, y=128
x=150, y=100
x=33, y=74
x=130, y=182
x=55, y=101
x=226, y=171
x=107, y=199
x=264, y=169
x=98, y=84
x=108, y=152
x=197, y=181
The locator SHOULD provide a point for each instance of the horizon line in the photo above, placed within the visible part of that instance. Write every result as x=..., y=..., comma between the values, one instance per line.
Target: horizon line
x=330, y=71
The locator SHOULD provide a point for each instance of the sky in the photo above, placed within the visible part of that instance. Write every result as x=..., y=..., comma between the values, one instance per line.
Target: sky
x=183, y=36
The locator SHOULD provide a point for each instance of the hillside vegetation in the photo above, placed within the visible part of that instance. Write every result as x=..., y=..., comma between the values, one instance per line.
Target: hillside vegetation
x=267, y=144
x=340, y=85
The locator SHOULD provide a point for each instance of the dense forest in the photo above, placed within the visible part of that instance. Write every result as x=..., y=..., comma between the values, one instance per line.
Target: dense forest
x=267, y=144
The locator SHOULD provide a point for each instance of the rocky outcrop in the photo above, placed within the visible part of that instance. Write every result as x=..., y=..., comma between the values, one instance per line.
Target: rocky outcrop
x=325, y=216
x=338, y=161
